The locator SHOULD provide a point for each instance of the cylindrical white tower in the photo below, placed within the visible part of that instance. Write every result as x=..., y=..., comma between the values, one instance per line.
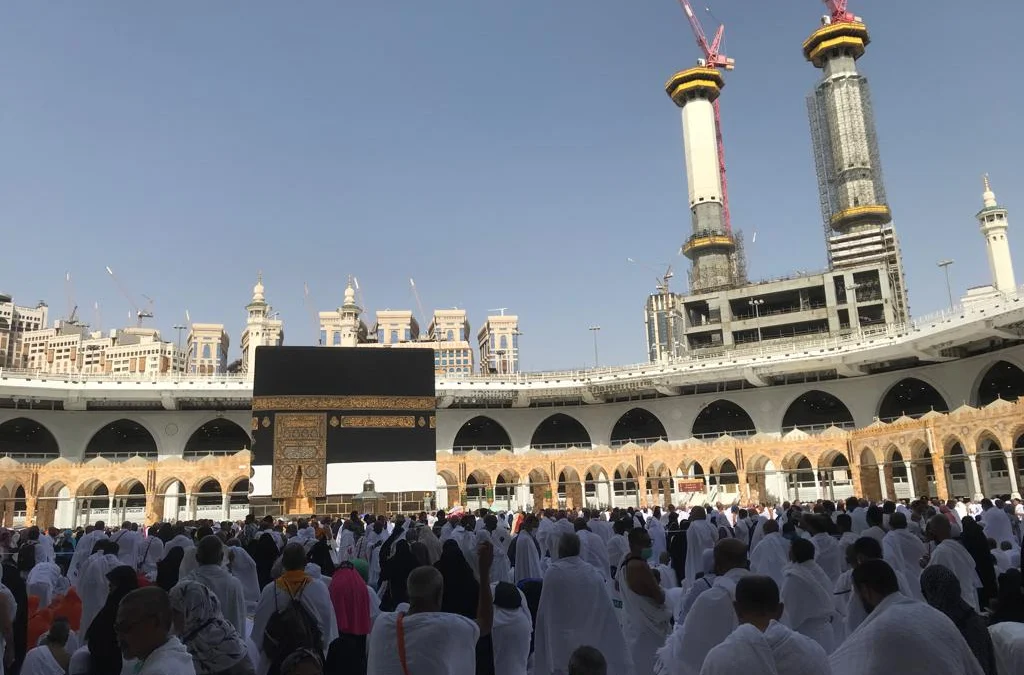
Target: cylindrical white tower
x=711, y=247
x=994, y=222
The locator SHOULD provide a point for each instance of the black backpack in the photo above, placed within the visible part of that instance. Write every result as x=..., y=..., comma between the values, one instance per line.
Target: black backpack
x=290, y=629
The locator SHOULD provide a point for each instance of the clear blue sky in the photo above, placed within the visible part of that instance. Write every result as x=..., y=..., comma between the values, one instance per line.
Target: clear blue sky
x=503, y=154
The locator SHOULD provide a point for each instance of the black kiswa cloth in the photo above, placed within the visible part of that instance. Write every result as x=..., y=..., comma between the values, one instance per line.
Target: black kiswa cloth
x=378, y=404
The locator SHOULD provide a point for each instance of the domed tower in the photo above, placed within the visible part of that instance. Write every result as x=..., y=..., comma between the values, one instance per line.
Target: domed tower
x=262, y=327
x=353, y=330
x=994, y=221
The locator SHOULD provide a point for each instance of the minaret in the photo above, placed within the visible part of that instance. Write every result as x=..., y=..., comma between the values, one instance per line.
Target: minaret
x=349, y=313
x=994, y=222
x=856, y=213
x=711, y=246
x=260, y=328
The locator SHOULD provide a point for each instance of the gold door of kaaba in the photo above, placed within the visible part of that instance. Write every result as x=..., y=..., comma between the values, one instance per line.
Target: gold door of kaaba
x=300, y=455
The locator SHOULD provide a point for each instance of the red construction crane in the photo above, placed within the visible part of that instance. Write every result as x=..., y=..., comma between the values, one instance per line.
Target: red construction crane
x=838, y=13
x=713, y=58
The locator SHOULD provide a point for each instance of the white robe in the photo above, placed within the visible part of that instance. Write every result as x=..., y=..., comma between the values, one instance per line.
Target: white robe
x=528, y=564
x=953, y=555
x=777, y=651
x=1008, y=644
x=436, y=643
x=594, y=550
x=82, y=552
x=501, y=568
x=43, y=581
x=314, y=597
x=93, y=586
x=171, y=658
x=850, y=612
x=576, y=610
x=998, y=526
x=128, y=543
x=510, y=637
x=40, y=661
x=150, y=553
x=905, y=636
x=708, y=624
x=646, y=625
x=828, y=554
x=903, y=551
x=700, y=536
x=346, y=544
x=807, y=597
x=770, y=557
x=243, y=567
x=658, y=539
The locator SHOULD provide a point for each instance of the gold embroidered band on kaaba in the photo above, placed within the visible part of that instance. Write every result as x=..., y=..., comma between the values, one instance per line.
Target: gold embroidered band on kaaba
x=333, y=403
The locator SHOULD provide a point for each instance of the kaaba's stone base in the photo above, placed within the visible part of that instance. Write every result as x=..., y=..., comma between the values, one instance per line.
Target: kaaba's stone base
x=386, y=503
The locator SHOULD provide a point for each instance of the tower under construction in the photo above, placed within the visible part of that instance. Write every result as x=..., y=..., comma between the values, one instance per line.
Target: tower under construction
x=711, y=247
x=857, y=218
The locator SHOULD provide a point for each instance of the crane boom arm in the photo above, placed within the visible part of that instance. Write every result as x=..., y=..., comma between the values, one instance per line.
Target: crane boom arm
x=698, y=30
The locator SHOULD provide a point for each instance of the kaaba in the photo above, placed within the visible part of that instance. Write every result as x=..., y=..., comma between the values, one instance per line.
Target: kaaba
x=328, y=421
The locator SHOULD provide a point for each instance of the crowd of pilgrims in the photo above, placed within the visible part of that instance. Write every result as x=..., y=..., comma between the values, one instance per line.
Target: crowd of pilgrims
x=850, y=589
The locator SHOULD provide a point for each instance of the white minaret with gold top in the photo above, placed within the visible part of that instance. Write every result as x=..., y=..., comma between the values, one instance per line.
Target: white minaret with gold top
x=994, y=221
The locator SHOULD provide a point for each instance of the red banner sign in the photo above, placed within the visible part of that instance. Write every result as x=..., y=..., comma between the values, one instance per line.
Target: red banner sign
x=690, y=486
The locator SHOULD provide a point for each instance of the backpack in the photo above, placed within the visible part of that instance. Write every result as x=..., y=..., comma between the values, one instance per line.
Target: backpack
x=291, y=628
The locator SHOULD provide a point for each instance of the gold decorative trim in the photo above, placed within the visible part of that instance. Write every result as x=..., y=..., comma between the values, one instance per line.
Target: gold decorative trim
x=334, y=421
x=315, y=403
x=300, y=456
x=266, y=422
x=433, y=422
x=255, y=423
x=379, y=421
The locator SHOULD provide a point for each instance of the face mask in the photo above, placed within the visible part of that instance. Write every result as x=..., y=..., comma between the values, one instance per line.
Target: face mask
x=647, y=553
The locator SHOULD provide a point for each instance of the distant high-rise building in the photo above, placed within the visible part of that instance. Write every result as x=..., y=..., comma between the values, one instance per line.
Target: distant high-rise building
x=262, y=327
x=15, y=321
x=449, y=336
x=207, y=348
x=140, y=350
x=499, y=345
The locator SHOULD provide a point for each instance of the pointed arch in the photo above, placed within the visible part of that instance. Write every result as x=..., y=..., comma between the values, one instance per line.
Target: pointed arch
x=912, y=397
x=1001, y=380
x=560, y=431
x=25, y=439
x=638, y=425
x=219, y=436
x=482, y=433
x=722, y=417
x=121, y=439
x=816, y=409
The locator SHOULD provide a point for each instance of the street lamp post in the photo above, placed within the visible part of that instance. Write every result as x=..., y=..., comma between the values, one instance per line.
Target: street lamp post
x=595, y=330
x=944, y=264
x=756, y=304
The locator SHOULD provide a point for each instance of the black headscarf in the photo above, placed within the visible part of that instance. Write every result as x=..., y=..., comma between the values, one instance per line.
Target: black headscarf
x=101, y=638
x=1010, y=603
x=396, y=570
x=461, y=590
x=974, y=540
x=941, y=589
x=264, y=552
x=168, y=569
x=11, y=578
x=320, y=555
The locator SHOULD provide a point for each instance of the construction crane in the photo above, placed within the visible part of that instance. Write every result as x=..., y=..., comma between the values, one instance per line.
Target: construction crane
x=501, y=311
x=140, y=314
x=661, y=281
x=416, y=295
x=69, y=290
x=714, y=58
x=307, y=300
x=838, y=13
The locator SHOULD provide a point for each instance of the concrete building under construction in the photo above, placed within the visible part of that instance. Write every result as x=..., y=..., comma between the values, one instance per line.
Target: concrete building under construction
x=863, y=284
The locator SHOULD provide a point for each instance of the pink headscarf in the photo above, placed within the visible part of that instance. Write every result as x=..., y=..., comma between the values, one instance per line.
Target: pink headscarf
x=950, y=516
x=351, y=601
